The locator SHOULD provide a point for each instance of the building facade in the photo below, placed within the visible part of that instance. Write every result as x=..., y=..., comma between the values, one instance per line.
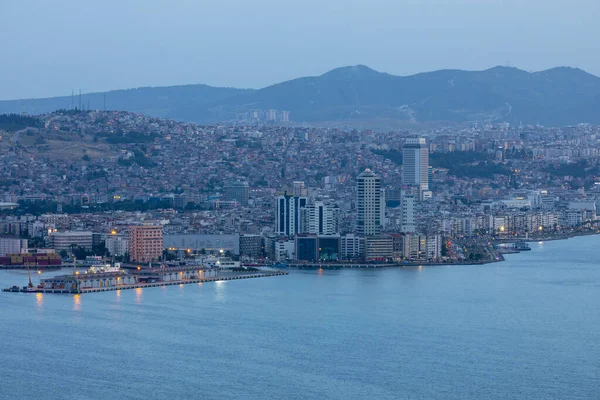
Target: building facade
x=319, y=218
x=67, y=240
x=287, y=214
x=12, y=246
x=117, y=245
x=238, y=192
x=415, y=163
x=368, y=221
x=145, y=243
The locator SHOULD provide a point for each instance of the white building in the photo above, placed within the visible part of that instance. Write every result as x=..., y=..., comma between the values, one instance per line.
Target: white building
x=415, y=164
x=65, y=240
x=319, y=218
x=117, y=245
x=352, y=247
x=284, y=250
x=368, y=220
x=407, y=223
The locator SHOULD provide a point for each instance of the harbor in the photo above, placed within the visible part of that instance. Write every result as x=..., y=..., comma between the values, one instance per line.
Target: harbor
x=117, y=279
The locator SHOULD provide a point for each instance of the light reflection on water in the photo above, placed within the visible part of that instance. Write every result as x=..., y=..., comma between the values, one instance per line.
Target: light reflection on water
x=39, y=300
x=77, y=302
x=139, y=295
x=220, y=290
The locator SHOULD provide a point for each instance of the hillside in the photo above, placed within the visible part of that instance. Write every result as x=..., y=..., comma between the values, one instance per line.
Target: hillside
x=163, y=102
x=559, y=96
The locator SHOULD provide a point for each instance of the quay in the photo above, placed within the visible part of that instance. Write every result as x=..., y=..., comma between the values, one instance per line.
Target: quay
x=152, y=277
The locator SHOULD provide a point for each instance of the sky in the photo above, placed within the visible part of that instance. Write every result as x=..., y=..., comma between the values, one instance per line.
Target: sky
x=50, y=48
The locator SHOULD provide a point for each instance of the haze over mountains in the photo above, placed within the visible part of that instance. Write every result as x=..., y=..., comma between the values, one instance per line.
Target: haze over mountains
x=558, y=96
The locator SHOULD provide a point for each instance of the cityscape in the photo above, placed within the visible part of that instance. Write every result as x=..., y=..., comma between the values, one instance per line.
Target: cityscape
x=275, y=195
x=336, y=200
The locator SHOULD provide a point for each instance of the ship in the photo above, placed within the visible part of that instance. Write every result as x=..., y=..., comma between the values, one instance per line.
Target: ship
x=104, y=268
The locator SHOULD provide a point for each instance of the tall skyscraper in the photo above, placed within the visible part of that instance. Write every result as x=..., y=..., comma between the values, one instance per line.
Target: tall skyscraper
x=368, y=187
x=287, y=214
x=237, y=191
x=415, y=168
x=408, y=213
x=319, y=218
x=145, y=243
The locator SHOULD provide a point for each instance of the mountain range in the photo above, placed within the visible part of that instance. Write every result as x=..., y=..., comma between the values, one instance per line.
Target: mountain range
x=555, y=97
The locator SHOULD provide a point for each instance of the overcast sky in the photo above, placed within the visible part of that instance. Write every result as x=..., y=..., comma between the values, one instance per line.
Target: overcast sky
x=51, y=47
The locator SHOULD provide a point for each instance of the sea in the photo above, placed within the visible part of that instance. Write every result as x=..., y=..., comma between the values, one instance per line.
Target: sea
x=525, y=328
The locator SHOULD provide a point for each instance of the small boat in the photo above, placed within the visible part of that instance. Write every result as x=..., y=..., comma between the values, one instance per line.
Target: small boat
x=521, y=246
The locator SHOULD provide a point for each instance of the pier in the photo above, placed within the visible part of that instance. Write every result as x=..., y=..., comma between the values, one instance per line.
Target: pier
x=146, y=278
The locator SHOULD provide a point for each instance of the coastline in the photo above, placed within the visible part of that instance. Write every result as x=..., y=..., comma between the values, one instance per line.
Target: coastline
x=499, y=256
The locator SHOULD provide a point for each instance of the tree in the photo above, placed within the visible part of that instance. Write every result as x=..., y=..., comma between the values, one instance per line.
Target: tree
x=63, y=253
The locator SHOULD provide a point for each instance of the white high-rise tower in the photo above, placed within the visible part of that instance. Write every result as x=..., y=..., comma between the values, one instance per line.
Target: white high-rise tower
x=415, y=164
x=368, y=187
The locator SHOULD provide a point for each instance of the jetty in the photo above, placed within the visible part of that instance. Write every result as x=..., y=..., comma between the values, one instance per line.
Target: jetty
x=150, y=277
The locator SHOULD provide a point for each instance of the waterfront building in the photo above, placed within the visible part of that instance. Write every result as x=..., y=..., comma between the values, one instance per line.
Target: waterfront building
x=199, y=242
x=415, y=164
x=117, y=245
x=329, y=248
x=237, y=191
x=251, y=246
x=433, y=247
x=306, y=248
x=397, y=246
x=379, y=248
x=368, y=203
x=287, y=214
x=145, y=243
x=12, y=246
x=284, y=249
x=352, y=247
x=67, y=240
x=319, y=218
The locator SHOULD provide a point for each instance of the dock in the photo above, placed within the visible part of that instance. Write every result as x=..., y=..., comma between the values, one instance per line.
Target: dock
x=77, y=289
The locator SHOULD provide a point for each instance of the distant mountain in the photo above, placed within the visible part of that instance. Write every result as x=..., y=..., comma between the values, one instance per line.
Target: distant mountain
x=558, y=96
x=165, y=102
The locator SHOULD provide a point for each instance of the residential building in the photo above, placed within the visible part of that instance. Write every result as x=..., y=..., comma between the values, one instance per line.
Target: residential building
x=407, y=222
x=287, y=214
x=117, y=245
x=319, y=218
x=369, y=202
x=145, y=243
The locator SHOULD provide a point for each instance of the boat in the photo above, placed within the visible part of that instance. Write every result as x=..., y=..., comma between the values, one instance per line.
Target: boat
x=103, y=268
x=521, y=246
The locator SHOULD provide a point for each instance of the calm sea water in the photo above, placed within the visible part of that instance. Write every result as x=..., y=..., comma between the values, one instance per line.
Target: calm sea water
x=527, y=328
